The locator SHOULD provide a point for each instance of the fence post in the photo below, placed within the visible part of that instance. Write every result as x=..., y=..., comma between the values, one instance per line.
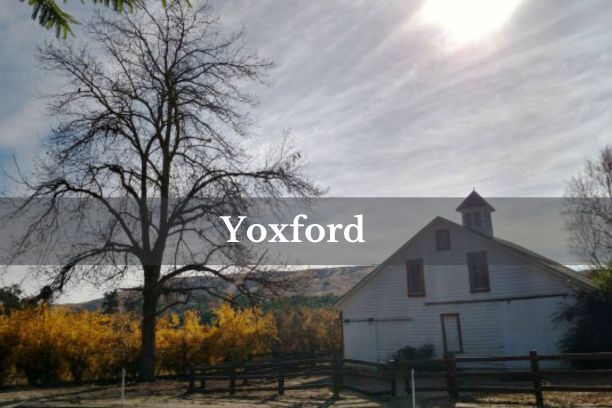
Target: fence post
x=407, y=385
x=232, y=385
x=537, y=378
x=451, y=374
x=412, y=388
x=123, y=374
x=337, y=363
x=203, y=383
x=392, y=374
x=281, y=378
x=191, y=379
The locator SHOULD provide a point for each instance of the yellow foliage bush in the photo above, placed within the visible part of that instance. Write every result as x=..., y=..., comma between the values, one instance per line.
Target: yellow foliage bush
x=234, y=335
x=51, y=344
x=8, y=343
x=240, y=334
x=181, y=343
x=119, y=345
x=304, y=330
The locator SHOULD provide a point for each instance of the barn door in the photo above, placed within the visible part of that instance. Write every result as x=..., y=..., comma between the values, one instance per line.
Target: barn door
x=451, y=333
x=360, y=340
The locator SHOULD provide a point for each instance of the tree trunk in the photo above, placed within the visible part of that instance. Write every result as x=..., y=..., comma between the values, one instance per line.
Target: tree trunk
x=150, y=297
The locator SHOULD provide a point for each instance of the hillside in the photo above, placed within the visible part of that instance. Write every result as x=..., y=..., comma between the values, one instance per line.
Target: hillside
x=316, y=282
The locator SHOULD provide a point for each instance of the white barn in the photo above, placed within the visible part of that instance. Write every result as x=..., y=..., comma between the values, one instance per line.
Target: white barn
x=462, y=290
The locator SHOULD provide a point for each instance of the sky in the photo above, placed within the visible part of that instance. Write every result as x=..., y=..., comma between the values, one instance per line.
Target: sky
x=393, y=98
x=386, y=103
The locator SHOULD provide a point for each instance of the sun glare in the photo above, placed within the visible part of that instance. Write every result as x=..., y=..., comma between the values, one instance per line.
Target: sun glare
x=466, y=21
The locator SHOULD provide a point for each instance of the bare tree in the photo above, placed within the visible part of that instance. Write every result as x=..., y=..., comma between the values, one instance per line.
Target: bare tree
x=152, y=132
x=588, y=207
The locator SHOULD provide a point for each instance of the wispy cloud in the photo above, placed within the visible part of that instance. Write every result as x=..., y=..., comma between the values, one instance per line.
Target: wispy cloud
x=379, y=110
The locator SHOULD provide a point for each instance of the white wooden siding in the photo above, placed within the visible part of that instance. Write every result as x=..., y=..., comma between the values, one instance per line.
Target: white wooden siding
x=360, y=341
x=488, y=328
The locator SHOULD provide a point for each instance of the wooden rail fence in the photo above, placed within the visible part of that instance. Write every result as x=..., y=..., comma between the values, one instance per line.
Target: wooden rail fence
x=331, y=372
x=540, y=377
x=257, y=376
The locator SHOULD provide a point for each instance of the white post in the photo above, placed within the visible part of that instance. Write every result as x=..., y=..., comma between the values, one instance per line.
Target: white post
x=123, y=373
x=413, y=388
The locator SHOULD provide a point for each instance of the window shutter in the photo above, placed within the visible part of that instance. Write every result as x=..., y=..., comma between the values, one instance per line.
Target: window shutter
x=479, y=271
x=415, y=277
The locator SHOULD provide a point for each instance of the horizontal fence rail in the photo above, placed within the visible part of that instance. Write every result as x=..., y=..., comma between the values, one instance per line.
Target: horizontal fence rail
x=537, y=376
x=258, y=376
x=331, y=370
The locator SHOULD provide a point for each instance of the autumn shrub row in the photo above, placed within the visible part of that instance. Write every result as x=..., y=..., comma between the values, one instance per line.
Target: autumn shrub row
x=46, y=345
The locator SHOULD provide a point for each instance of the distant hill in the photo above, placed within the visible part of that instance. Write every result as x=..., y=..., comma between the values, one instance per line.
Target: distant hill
x=315, y=282
x=330, y=281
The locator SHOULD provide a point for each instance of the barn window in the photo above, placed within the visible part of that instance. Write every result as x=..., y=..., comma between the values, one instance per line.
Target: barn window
x=467, y=219
x=415, y=277
x=477, y=219
x=479, y=271
x=487, y=218
x=443, y=239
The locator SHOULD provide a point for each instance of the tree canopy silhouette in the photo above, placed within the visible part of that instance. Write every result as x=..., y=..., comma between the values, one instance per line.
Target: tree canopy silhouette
x=588, y=208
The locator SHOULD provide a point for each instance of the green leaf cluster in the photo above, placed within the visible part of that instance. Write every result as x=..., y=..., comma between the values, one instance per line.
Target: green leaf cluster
x=50, y=15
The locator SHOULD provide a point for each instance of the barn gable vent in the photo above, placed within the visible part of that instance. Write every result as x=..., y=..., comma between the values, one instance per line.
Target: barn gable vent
x=443, y=240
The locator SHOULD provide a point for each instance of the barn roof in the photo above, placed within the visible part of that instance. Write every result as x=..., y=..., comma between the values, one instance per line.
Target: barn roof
x=541, y=260
x=474, y=200
x=529, y=256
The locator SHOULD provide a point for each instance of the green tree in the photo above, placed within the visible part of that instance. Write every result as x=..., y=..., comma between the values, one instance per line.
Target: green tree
x=590, y=327
x=10, y=298
x=110, y=302
x=588, y=208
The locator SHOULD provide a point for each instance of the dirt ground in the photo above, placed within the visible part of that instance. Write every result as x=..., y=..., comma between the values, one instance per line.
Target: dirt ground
x=173, y=394
x=551, y=400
